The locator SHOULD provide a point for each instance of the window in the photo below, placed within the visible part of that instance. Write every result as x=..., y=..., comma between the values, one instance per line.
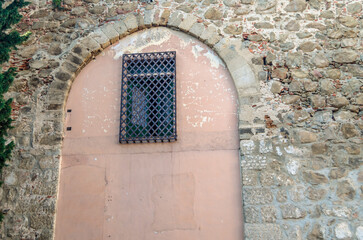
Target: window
x=148, y=109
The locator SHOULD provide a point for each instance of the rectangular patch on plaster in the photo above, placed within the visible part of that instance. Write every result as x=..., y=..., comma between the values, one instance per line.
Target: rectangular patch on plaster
x=173, y=199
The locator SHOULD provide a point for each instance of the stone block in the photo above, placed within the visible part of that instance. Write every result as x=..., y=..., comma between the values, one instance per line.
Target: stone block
x=314, y=178
x=263, y=231
x=290, y=211
x=82, y=51
x=257, y=196
x=131, y=23
x=345, y=56
x=148, y=17
x=100, y=38
x=268, y=214
x=164, y=18
x=91, y=44
x=296, y=6
x=197, y=29
x=342, y=231
x=213, y=13
x=110, y=32
x=175, y=19
x=251, y=215
x=349, y=131
x=188, y=22
x=121, y=28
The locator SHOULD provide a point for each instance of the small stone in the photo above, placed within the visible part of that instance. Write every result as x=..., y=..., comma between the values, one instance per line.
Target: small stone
x=294, y=59
x=316, y=233
x=11, y=179
x=349, y=130
x=348, y=42
x=293, y=26
x=319, y=148
x=276, y=87
x=309, y=85
x=356, y=70
x=353, y=149
x=280, y=73
x=318, y=101
x=327, y=14
x=256, y=38
x=348, y=21
x=91, y=1
x=296, y=6
x=343, y=116
x=78, y=11
x=263, y=25
x=265, y=7
x=316, y=25
x=308, y=46
x=213, y=14
x=251, y=215
x=233, y=29
x=354, y=8
x=290, y=211
x=345, y=191
x=314, y=178
x=289, y=99
x=342, y=231
x=186, y=8
x=334, y=73
x=37, y=64
x=287, y=46
x=242, y=11
x=268, y=214
x=28, y=51
x=231, y=3
x=303, y=35
x=299, y=73
x=337, y=173
x=315, y=194
x=97, y=9
x=55, y=49
x=320, y=60
x=345, y=56
x=338, y=102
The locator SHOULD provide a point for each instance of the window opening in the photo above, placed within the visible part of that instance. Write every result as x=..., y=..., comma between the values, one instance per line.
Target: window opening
x=148, y=96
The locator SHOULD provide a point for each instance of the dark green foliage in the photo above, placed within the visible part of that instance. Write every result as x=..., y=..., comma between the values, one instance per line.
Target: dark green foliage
x=57, y=4
x=8, y=41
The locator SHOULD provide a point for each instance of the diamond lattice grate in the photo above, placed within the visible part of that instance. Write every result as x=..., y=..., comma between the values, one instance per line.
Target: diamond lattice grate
x=148, y=108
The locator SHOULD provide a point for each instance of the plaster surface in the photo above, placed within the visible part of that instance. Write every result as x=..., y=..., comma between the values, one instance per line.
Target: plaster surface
x=189, y=189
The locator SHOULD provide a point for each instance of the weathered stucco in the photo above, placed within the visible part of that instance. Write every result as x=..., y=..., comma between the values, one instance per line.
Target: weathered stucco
x=300, y=106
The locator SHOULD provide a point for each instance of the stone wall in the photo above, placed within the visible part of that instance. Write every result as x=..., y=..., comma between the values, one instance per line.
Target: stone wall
x=300, y=127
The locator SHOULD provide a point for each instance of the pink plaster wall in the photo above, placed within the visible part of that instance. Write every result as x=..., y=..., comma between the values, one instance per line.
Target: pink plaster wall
x=186, y=190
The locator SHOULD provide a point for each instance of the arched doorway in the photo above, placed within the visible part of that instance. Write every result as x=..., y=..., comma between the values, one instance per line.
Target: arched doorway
x=188, y=189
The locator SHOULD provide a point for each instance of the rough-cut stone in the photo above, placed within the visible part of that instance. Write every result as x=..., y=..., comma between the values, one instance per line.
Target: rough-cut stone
x=315, y=194
x=345, y=56
x=345, y=190
x=188, y=22
x=354, y=8
x=308, y=46
x=263, y=25
x=349, y=130
x=342, y=231
x=296, y=6
x=337, y=173
x=131, y=23
x=257, y=196
x=213, y=14
x=348, y=21
x=233, y=29
x=320, y=60
x=280, y=73
x=338, y=102
x=334, y=73
x=318, y=101
x=268, y=214
x=319, y=148
x=111, y=33
x=316, y=233
x=293, y=26
x=276, y=87
x=289, y=99
x=265, y=231
x=359, y=233
x=314, y=178
x=289, y=211
x=315, y=25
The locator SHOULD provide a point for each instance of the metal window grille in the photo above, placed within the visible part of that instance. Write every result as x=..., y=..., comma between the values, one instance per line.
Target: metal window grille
x=148, y=98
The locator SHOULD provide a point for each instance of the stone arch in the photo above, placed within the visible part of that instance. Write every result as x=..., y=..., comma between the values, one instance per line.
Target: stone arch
x=229, y=50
